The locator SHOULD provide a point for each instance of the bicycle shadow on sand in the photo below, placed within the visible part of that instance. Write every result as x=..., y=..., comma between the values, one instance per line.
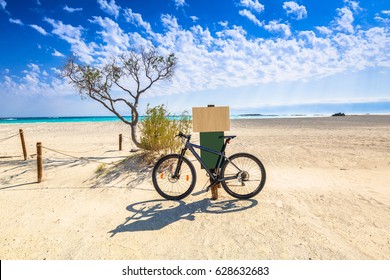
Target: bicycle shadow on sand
x=159, y=213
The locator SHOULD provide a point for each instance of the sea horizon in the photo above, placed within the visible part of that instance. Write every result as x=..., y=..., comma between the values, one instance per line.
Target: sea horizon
x=77, y=119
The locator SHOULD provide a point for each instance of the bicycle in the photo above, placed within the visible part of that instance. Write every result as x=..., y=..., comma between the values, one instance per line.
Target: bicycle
x=242, y=175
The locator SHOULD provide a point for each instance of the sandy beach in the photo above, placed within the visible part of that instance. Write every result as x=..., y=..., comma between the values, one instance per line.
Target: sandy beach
x=327, y=195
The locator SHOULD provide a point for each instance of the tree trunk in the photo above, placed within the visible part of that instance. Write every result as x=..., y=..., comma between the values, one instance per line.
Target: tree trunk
x=134, y=135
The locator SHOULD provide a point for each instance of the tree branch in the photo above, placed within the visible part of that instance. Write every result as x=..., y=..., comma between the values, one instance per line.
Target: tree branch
x=96, y=83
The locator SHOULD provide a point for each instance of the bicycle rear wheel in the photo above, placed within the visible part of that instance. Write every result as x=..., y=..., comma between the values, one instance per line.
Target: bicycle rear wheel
x=163, y=177
x=245, y=175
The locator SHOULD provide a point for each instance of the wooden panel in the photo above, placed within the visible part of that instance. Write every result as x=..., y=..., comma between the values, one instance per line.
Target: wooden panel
x=209, y=119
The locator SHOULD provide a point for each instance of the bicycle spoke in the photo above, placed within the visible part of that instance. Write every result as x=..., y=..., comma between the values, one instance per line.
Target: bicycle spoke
x=249, y=175
x=168, y=184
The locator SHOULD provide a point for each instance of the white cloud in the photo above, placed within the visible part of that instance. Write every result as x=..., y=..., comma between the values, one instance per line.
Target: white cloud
x=385, y=21
x=73, y=35
x=3, y=4
x=203, y=36
x=39, y=29
x=253, y=4
x=66, y=32
x=34, y=82
x=386, y=12
x=169, y=22
x=32, y=76
x=34, y=67
x=292, y=8
x=56, y=70
x=57, y=53
x=111, y=33
x=276, y=27
x=223, y=23
x=137, y=20
x=138, y=42
x=345, y=20
x=230, y=59
x=16, y=21
x=109, y=7
x=72, y=10
x=353, y=5
x=180, y=3
x=324, y=30
x=194, y=18
x=250, y=16
x=227, y=57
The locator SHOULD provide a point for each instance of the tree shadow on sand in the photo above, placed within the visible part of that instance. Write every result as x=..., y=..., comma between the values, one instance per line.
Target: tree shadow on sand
x=14, y=171
x=157, y=214
x=130, y=172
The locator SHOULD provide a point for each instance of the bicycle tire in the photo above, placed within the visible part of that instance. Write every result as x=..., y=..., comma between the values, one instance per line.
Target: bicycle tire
x=250, y=180
x=171, y=188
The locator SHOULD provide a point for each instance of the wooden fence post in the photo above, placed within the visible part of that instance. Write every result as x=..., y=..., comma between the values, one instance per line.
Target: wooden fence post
x=120, y=142
x=214, y=189
x=39, y=161
x=23, y=143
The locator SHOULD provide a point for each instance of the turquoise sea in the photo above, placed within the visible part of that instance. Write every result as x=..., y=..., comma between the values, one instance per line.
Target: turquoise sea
x=115, y=119
x=60, y=119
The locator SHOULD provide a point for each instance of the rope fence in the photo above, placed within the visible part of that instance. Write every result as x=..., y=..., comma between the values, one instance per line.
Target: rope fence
x=69, y=154
x=127, y=137
x=79, y=152
x=21, y=134
x=9, y=137
x=65, y=153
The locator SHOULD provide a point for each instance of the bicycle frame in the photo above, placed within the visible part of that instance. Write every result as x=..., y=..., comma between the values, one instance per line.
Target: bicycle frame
x=215, y=177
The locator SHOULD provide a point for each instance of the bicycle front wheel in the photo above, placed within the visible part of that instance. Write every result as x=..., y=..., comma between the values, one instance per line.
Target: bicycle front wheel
x=169, y=186
x=244, y=176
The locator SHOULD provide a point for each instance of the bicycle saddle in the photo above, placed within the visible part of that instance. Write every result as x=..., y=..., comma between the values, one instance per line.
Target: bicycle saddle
x=228, y=137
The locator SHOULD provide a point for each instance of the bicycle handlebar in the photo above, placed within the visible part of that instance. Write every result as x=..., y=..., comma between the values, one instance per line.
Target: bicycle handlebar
x=182, y=135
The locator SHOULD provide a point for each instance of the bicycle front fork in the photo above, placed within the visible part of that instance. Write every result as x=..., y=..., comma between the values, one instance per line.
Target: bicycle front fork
x=176, y=175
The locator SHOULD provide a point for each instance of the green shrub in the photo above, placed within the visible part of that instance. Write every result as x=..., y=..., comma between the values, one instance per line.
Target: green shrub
x=100, y=169
x=159, y=128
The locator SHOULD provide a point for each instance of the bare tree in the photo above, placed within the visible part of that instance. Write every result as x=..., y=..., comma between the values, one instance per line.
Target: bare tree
x=143, y=68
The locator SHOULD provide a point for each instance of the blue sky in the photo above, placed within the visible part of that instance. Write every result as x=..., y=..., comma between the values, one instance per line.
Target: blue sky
x=256, y=56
